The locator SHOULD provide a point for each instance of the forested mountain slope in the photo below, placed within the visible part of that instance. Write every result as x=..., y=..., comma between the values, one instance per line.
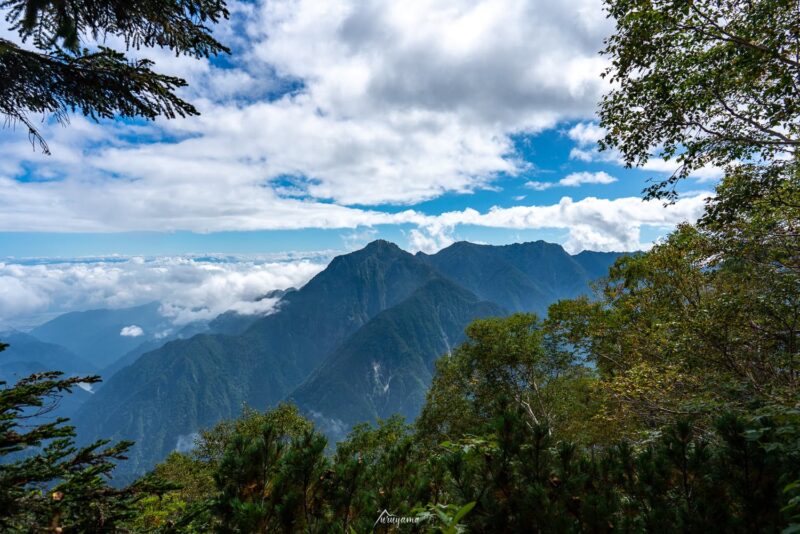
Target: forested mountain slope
x=357, y=342
x=386, y=367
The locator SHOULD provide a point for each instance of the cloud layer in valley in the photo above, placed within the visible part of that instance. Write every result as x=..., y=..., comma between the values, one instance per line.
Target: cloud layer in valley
x=189, y=288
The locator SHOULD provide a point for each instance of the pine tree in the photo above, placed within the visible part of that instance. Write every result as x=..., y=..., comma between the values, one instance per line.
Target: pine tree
x=47, y=483
x=59, y=74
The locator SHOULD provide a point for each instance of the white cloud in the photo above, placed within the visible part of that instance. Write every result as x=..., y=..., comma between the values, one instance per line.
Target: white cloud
x=577, y=178
x=592, y=223
x=574, y=179
x=707, y=173
x=131, y=331
x=430, y=239
x=586, y=135
x=393, y=103
x=190, y=288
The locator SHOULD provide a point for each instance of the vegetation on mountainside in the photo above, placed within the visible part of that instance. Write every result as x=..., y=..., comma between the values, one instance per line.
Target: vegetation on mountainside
x=376, y=316
x=669, y=403
x=385, y=368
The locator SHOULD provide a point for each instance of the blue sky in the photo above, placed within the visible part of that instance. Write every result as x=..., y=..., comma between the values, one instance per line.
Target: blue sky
x=335, y=123
x=544, y=157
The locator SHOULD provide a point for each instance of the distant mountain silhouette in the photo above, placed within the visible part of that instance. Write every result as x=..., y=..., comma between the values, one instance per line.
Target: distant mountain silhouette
x=95, y=335
x=26, y=355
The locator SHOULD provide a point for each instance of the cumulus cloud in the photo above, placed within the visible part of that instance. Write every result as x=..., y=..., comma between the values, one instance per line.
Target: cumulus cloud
x=587, y=134
x=362, y=103
x=324, y=111
x=131, y=331
x=431, y=238
x=591, y=223
x=189, y=288
x=574, y=179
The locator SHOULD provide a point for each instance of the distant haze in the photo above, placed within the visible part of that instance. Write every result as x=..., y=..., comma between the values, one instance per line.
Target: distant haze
x=188, y=287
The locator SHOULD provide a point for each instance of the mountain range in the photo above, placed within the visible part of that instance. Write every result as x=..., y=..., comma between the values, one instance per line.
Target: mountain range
x=358, y=342
x=97, y=335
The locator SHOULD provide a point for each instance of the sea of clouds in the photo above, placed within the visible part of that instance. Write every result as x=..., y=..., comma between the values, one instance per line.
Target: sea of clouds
x=189, y=288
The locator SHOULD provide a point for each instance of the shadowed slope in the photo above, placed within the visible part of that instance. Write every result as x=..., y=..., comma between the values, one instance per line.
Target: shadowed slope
x=387, y=366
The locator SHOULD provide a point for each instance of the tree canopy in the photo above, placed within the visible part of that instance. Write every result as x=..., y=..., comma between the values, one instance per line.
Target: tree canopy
x=47, y=482
x=703, y=82
x=62, y=71
x=668, y=401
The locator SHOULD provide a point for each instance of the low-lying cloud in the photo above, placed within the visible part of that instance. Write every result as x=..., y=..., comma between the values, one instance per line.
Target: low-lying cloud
x=189, y=288
x=131, y=331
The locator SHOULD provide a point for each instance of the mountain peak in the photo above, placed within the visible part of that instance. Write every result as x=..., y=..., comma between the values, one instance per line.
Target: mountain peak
x=538, y=245
x=380, y=250
x=381, y=244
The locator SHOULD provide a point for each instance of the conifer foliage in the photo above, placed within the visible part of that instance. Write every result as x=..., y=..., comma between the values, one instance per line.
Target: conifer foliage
x=47, y=483
x=61, y=73
x=667, y=402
